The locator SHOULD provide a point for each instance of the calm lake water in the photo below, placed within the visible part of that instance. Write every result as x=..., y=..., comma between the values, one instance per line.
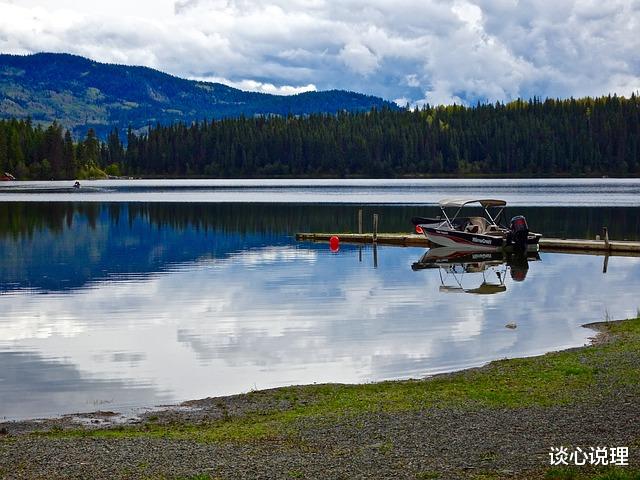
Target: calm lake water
x=539, y=192
x=113, y=305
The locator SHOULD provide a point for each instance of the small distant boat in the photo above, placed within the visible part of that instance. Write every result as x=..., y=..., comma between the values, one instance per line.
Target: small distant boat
x=7, y=177
x=478, y=232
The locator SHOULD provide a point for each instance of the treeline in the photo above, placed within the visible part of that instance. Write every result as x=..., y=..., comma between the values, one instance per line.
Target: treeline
x=587, y=136
x=33, y=153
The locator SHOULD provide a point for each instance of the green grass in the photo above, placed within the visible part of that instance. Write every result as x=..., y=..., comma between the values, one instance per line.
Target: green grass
x=552, y=379
x=199, y=477
x=427, y=475
x=578, y=474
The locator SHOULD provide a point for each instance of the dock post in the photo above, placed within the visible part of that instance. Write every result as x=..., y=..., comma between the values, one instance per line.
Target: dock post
x=360, y=221
x=375, y=255
x=605, y=234
x=375, y=227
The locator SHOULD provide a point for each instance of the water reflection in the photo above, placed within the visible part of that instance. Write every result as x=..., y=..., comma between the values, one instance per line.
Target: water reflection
x=35, y=385
x=54, y=247
x=489, y=268
x=107, y=306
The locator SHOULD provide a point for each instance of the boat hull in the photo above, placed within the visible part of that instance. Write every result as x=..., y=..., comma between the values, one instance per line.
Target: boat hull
x=472, y=241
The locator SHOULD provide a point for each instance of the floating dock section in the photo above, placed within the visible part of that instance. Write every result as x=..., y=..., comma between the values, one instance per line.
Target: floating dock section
x=610, y=247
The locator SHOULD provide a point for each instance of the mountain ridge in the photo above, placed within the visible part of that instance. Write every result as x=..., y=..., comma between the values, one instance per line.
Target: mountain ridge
x=80, y=93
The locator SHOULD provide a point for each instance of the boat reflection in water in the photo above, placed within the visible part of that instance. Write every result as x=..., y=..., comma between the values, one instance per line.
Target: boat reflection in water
x=461, y=270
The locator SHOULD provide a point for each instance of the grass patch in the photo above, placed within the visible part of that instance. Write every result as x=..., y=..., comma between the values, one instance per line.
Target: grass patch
x=427, y=475
x=562, y=474
x=202, y=476
x=579, y=474
x=551, y=379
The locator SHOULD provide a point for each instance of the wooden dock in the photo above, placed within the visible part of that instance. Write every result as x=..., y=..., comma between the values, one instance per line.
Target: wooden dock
x=558, y=245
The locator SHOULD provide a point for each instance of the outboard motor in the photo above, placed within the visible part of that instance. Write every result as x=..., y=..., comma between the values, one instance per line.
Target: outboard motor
x=518, y=232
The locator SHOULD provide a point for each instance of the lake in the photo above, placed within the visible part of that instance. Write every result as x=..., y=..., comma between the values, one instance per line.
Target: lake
x=136, y=294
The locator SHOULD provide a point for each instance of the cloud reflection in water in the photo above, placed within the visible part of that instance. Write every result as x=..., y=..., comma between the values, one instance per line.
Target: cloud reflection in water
x=282, y=315
x=114, y=305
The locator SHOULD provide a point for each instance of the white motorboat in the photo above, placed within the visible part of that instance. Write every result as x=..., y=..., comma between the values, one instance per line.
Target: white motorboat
x=477, y=232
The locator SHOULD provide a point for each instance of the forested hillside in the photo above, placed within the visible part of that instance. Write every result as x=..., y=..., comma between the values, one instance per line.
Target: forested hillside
x=80, y=94
x=556, y=137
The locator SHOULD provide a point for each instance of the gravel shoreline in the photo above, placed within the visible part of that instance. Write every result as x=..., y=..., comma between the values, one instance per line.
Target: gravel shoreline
x=446, y=442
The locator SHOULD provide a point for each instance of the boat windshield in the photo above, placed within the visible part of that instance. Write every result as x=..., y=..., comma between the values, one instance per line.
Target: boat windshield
x=492, y=217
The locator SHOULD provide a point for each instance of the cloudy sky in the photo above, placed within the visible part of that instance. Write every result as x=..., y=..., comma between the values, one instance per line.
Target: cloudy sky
x=405, y=50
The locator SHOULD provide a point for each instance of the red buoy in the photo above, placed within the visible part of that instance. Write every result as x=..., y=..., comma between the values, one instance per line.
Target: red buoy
x=334, y=243
x=419, y=229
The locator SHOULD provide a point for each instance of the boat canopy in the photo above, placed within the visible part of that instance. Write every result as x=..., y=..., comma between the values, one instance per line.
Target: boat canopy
x=461, y=202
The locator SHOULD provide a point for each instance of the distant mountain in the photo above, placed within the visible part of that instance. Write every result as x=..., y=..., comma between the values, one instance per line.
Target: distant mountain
x=80, y=93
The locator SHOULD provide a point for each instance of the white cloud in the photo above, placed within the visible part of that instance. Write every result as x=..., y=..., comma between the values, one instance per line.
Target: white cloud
x=419, y=50
x=412, y=80
x=359, y=58
x=261, y=87
x=469, y=13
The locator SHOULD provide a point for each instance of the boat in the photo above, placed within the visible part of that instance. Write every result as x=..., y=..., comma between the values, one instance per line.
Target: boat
x=493, y=267
x=477, y=232
x=7, y=177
